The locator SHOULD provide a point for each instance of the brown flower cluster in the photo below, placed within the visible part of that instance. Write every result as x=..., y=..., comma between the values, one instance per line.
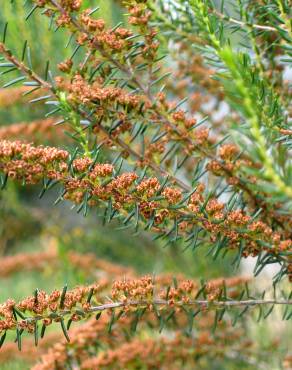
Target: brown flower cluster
x=113, y=40
x=179, y=127
x=173, y=196
x=68, y=5
x=80, y=91
x=32, y=164
x=146, y=289
x=92, y=32
x=24, y=162
x=140, y=15
x=137, y=290
x=46, y=307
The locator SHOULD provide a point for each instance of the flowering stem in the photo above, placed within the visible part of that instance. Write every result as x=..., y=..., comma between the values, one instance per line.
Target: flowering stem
x=84, y=142
x=162, y=114
x=165, y=303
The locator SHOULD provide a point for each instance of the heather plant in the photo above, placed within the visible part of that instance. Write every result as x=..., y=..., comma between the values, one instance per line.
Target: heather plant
x=174, y=124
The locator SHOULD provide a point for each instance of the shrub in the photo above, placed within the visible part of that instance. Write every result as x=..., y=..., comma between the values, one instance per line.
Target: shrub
x=178, y=124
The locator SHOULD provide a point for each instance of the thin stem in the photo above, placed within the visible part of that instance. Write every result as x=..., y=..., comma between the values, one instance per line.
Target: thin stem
x=24, y=69
x=244, y=24
x=161, y=302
